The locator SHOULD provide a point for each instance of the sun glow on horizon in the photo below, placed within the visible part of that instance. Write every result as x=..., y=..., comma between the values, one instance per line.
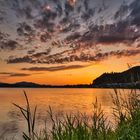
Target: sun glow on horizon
x=84, y=75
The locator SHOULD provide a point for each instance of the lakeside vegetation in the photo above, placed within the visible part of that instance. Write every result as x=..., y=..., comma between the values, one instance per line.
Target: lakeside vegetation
x=126, y=112
x=126, y=79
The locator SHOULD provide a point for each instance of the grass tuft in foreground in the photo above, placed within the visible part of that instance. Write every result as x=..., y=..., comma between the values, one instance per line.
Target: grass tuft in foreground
x=126, y=111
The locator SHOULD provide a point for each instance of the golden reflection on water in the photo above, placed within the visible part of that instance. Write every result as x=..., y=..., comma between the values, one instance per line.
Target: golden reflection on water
x=66, y=100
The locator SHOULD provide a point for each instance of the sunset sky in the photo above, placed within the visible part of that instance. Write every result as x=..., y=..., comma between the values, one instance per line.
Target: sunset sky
x=67, y=41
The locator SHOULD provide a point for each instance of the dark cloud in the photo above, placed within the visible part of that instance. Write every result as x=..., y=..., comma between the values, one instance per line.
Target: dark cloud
x=73, y=36
x=3, y=36
x=59, y=10
x=123, y=10
x=88, y=14
x=31, y=52
x=33, y=58
x=111, y=39
x=71, y=56
x=9, y=45
x=68, y=8
x=11, y=74
x=24, y=29
x=44, y=37
x=128, y=53
x=45, y=25
x=71, y=27
x=56, y=68
x=25, y=59
x=135, y=6
x=42, y=53
x=118, y=53
x=58, y=43
x=49, y=15
x=27, y=31
x=64, y=21
x=6, y=43
x=120, y=32
x=86, y=4
x=28, y=12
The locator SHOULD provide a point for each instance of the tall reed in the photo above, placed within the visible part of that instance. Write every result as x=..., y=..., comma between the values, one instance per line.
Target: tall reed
x=29, y=117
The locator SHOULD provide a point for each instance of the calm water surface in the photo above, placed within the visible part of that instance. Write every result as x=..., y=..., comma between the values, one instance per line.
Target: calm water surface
x=61, y=101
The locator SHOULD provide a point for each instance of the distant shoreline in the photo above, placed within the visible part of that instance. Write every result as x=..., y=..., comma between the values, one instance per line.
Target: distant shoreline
x=84, y=86
x=73, y=87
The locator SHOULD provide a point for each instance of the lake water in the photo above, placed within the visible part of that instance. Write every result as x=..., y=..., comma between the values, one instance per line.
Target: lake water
x=61, y=101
